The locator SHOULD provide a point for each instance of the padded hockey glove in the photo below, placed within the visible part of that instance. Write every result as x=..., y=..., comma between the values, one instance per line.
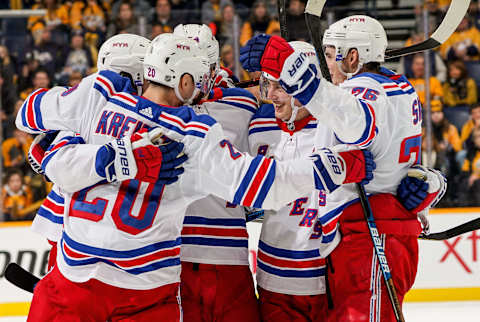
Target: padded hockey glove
x=332, y=169
x=422, y=188
x=38, y=148
x=225, y=78
x=138, y=157
x=265, y=53
x=275, y=56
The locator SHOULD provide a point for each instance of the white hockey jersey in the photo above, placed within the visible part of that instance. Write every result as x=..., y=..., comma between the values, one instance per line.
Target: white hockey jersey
x=289, y=260
x=127, y=234
x=214, y=230
x=379, y=112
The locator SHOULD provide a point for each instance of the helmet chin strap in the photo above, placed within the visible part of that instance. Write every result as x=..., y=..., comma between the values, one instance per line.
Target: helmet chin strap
x=291, y=121
x=183, y=100
x=349, y=75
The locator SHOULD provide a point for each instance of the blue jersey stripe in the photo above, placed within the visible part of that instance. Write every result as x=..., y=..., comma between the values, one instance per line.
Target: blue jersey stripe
x=237, y=104
x=263, y=129
x=246, y=180
x=215, y=241
x=328, y=238
x=368, y=123
x=332, y=214
x=38, y=113
x=95, y=251
x=401, y=92
x=50, y=216
x=135, y=271
x=265, y=188
x=194, y=220
x=290, y=272
x=294, y=254
x=55, y=197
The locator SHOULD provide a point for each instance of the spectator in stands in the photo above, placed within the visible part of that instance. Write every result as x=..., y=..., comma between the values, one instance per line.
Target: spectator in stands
x=75, y=79
x=156, y=29
x=40, y=80
x=49, y=55
x=459, y=89
x=437, y=66
x=89, y=16
x=162, y=15
x=212, y=10
x=258, y=23
x=141, y=8
x=15, y=151
x=56, y=20
x=224, y=30
x=463, y=44
x=418, y=80
x=7, y=66
x=9, y=120
x=227, y=60
x=8, y=92
x=126, y=22
x=469, y=184
x=470, y=125
x=446, y=141
x=296, y=17
x=16, y=196
x=79, y=57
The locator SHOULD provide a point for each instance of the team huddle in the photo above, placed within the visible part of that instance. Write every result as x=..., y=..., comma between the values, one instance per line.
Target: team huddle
x=157, y=159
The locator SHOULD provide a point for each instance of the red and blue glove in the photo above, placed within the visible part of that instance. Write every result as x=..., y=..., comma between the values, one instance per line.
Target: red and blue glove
x=38, y=149
x=422, y=188
x=265, y=53
x=139, y=157
x=275, y=56
x=332, y=169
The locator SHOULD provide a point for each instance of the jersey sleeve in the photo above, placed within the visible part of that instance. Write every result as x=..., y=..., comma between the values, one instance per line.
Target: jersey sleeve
x=220, y=169
x=59, y=108
x=351, y=118
x=71, y=164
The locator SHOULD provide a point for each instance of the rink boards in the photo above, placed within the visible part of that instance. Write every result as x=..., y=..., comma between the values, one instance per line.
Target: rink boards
x=448, y=270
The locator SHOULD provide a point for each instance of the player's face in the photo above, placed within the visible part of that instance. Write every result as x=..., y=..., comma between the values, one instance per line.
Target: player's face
x=280, y=99
x=337, y=76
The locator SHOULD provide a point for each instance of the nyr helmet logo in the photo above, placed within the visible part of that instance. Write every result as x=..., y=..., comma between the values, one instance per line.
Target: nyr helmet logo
x=183, y=47
x=296, y=64
x=120, y=44
x=354, y=19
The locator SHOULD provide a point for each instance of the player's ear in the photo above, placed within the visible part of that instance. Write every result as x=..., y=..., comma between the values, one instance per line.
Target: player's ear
x=353, y=58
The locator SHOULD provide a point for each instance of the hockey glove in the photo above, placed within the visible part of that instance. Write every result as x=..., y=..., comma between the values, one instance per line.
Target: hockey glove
x=275, y=56
x=265, y=53
x=225, y=78
x=38, y=148
x=422, y=188
x=138, y=157
x=332, y=169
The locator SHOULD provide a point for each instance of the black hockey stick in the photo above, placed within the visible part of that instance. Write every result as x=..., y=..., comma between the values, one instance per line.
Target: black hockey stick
x=20, y=277
x=282, y=19
x=455, y=14
x=453, y=232
x=313, y=12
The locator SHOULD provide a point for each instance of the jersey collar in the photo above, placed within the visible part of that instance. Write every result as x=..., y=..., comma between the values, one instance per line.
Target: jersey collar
x=299, y=125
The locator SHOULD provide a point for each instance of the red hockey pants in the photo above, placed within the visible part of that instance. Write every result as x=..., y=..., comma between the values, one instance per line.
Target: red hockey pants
x=58, y=299
x=218, y=293
x=292, y=308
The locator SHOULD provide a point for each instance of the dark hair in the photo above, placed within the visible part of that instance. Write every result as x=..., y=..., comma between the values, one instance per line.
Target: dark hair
x=473, y=106
x=459, y=65
x=13, y=171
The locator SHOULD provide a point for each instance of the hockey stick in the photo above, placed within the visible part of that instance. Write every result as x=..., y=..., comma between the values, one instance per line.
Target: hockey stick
x=453, y=232
x=455, y=14
x=247, y=83
x=282, y=19
x=20, y=277
x=313, y=12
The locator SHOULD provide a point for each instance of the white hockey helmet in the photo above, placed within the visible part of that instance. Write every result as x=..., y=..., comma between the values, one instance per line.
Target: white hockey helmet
x=124, y=54
x=202, y=34
x=169, y=57
x=360, y=32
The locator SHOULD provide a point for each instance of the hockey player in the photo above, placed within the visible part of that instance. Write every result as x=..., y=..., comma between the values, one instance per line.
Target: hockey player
x=372, y=108
x=290, y=266
x=120, y=244
x=216, y=282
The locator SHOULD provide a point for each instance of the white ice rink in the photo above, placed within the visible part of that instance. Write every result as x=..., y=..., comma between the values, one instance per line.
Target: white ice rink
x=414, y=312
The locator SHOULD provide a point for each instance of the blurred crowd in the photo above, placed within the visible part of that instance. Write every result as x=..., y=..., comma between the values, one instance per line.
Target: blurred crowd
x=61, y=47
